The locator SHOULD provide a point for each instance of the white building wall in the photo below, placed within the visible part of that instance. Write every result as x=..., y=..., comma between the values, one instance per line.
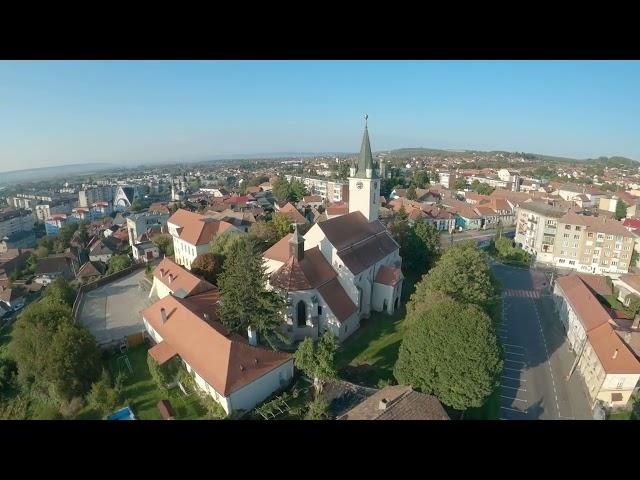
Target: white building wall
x=261, y=388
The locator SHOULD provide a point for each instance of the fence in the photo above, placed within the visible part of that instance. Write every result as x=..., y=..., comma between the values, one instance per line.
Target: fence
x=87, y=287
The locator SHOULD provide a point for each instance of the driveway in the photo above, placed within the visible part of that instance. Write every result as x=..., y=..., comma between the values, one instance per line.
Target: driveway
x=537, y=358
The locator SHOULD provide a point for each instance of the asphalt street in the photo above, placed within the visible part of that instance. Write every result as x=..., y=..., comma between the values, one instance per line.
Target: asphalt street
x=537, y=358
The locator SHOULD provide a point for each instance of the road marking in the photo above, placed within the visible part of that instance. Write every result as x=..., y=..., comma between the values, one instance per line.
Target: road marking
x=518, y=379
x=514, y=346
x=514, y=361
x=546, y=350
x=524, y=412
x=514, y=388
x=514, y=353
x=512, y=369
x=514, y=398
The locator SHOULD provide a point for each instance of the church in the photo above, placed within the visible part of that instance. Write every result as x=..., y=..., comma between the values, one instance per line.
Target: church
x=343, y=268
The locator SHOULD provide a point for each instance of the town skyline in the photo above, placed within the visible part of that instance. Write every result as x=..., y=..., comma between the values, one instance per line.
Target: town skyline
x=157, y=112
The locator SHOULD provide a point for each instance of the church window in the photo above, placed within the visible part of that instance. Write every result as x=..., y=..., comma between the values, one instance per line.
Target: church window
x=319, y=310
x=302, y=313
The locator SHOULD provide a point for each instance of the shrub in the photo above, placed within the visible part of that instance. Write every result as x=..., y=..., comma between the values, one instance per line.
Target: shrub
x=214, y=409
x=163, y=374
x=318, y=409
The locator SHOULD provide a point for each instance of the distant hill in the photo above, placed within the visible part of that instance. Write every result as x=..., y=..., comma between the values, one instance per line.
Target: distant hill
x=412, y=152
x=45, y=173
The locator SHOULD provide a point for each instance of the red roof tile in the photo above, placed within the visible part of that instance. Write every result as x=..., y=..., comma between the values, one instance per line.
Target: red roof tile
x=388, y=275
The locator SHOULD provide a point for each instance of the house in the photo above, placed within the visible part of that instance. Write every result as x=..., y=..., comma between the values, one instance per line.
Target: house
x=52, y=267
x=332, y=276
x=397, y=402
x=13, y=297
x=14, y=259
x=140, y=223
x=628, y=286
x=241, y=220
x=100, y=252
x=192, y=234
x=234, y=371
x=91, y=271
x=145, y=251
x=609, y=368
x=170, y=278
x=311, y=200
x=292, y=213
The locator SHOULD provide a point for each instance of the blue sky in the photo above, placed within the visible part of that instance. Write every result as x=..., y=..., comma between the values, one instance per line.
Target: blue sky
x=132, y=112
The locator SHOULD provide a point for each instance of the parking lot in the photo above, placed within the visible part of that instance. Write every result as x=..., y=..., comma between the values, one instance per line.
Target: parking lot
x=536, y=354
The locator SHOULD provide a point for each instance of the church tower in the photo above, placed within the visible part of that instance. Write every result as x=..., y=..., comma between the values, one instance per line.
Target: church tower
x=364, y=183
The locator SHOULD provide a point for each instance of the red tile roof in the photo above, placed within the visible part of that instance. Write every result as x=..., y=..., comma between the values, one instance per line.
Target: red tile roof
x=177, y=278
x=589, y=310
x=197, y=229
x=292, y=213
x=613, y=354
x=337, y=299
x=280, y=251
x=310, y=272
x=388, y=275
x=227, y=363
x=631, y=223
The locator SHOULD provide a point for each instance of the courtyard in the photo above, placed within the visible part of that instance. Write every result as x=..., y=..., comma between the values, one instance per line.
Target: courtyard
x=112, y=312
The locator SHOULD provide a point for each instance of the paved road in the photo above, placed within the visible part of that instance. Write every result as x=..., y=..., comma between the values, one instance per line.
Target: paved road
x=477, y=235
x=537, y=356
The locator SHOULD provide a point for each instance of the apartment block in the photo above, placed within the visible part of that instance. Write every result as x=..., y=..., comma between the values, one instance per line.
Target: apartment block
x=13, y=221
x=332, y=190
x=570, y=240
x=89, y=196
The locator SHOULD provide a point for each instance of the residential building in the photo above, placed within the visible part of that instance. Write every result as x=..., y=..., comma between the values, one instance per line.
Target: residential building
x=44, y=211
x=140, y=223
x=234, y=371
x=56, y=222
x=145, y=251
x=536, y=228
x=91, y=271
x=292, y=213
x=192, y=234
x=609, y=368
x=397, y=402
x=12, y=221
x=330, y=190
x=13, y=297
x=23, y=239
x=54, y=266
x=99, y=251
x=91, y=195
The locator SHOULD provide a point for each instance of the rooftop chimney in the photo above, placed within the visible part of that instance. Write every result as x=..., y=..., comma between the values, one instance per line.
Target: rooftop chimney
x=163, y=315
x=205, y=316
x=615, y=354
x=382, y=405
x=636, y=323
x=170, y=278
x=162, y=273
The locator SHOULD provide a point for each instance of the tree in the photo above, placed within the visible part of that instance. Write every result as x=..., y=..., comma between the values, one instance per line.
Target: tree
x=264, y=233
x=105, y=395
x=164, y=243
x=420, y=179
x=208, y=266
x=401, y=216
x=462, y=272
x=163, y=374
x=343, y=170
x=281, y=225
x=485, y=189
x=317, y=360
x=74, y=359
x=460, y=183
x=66, y=233
x=281, y=189
x=634, y=257
x=621, y=210
x=449, y=350
x=118, y=263
x=244, y=300
x=297, y=191
x=428, y=241
x=221, y=245
x=60, y=291
x=411, y=193
x=317, y=409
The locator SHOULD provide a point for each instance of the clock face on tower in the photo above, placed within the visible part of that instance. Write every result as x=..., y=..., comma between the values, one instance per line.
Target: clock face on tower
x=359, y=185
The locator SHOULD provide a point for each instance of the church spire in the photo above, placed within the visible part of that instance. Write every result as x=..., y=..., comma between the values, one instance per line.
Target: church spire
x=365, y=160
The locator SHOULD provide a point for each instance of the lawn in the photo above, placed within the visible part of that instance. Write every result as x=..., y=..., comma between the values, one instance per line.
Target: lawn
x=368, y=356
x=622, y=415
x=142, y=394
x=612, y=302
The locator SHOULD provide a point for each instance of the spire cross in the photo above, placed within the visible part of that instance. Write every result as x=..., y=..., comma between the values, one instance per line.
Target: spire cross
x=366, y=117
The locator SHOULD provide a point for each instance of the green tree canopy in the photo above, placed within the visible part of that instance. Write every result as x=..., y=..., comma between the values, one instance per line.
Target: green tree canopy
x=164, y=242
x=118, y=263
x=317, y=360
x=420, y=179
x=449, y=350
x=59, y=290
x=460, y=183
x=264, y=234
x=208, y=266
x=621, y=210
x=281, y=189
x=281, y=225
x=222, y=244
x=297, y=191
x=244, y=300
x=463, y=273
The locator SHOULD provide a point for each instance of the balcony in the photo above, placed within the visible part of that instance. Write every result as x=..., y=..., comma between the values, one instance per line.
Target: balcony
x=532, y=220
